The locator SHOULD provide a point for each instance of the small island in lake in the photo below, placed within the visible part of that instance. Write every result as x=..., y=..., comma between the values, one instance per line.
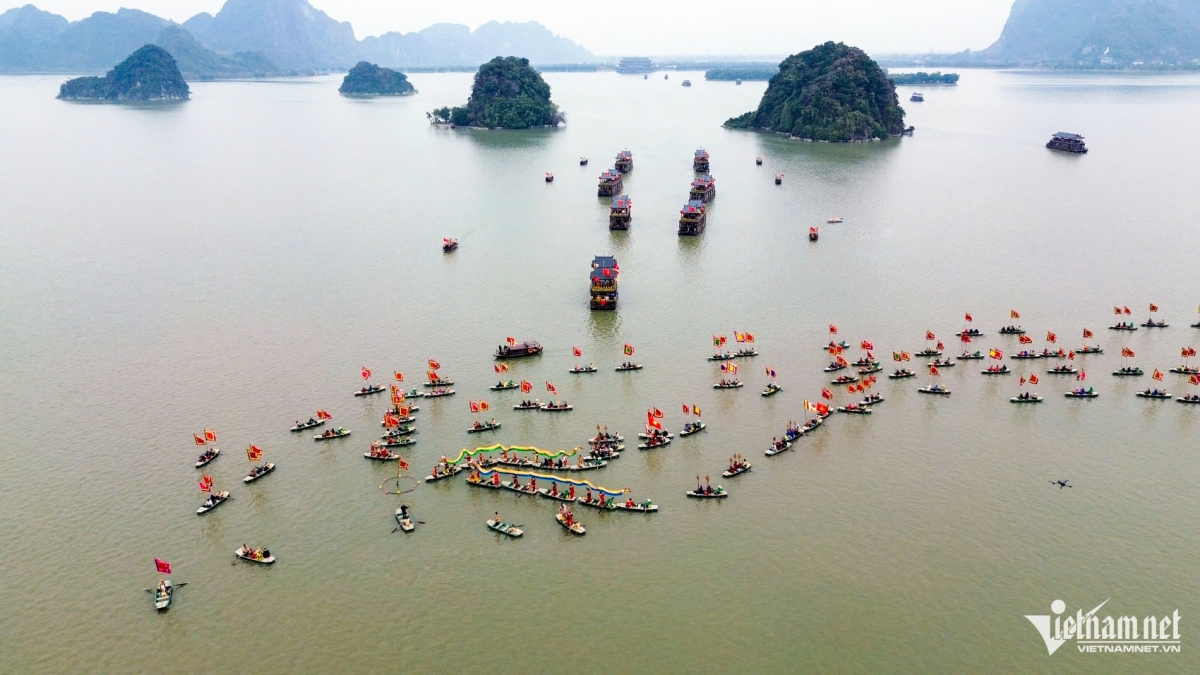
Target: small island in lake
x=368, y=79
x=149, y=74
x=923, y=78
x=508, y=94
x=831, y=92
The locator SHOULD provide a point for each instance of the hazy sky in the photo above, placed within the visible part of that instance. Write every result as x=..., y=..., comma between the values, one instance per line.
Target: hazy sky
x=629, y=27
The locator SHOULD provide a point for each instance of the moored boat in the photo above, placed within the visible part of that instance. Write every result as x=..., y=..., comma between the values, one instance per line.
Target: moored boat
x=258, y=472
x=517, y=350
x=260, y=556
x=214, y=500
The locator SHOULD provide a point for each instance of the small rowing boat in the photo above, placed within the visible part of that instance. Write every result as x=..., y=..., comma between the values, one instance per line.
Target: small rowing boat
x=163, y=595
x=330, y=434
x=526, y=489
x=606, y=439
x=449, y=245
x=736, y=469
x=1062, y=370
x=1151, y=323
x=1025, y=354
x=1186, y=370
x=902, y=374
x=1012, y=330
x=557, y=407
x=996, y=370
x=528, y=405
x=971, y=356
x=815, y=422
x=404, y=520
x=310, y=424
x=505, y=528
x=402, y=430
x=929, y=352
x=439, y=474
x=722, y=356
x=845, y=379
x=208, y=456
x=867, y=370
x=1129, y=371
x=397, y=441
x=407, y=419
x=479, y=482
x=381, y=455
x=477, y=428
x=970, y=332
x=627, y=366
x=439, y=392
x=834, y=219
x=438, y=383
x=936, y=389
x=568, y=521
x=214, y=500
x=1089, y=350
x=943, y=363
x=372, y=389
x=728, y=384
x=504, y=386
x=1191, y=399
x=658, y=433
x=261, y=556
x=746, y=353
x=554, y=493
x=780, y=445
x=872, y=399
x=854, y=409
x=711, y=493
x=1082, y=393
x=834, y=345
x=1026, y=398
x=1154, y=393
x=692, y=428
x=258, y=472
x=834, y=367
x=772, y=389
x=589, y=368
x=1124, y=325
x=653, y=443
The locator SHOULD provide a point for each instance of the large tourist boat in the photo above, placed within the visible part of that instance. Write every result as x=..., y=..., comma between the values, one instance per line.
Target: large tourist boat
x=610, y=184
x=604, y=282
x=1067, y=143
x=620, y=213
x=703, y=188
x=692, y=218
x=516, y=350
x=700, y=162
x=624, y=162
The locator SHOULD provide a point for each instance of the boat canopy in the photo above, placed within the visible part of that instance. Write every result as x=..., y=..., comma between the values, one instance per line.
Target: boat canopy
x=621, y=203
x=693, y=206
x=702, y=153
x=1068, y=137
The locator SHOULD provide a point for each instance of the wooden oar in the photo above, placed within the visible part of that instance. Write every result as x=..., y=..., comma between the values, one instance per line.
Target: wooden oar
x=179, y=585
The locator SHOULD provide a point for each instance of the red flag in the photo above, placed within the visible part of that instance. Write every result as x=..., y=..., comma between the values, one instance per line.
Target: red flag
x=904, y=356
x=162, y=566
x=389, y=420
x=399, y=375
x=1116, y=310
x=861, y=388
x=1033, y=379
x=965, y=338
x=687, y=410
x=210, y=435
x=323, y=415
x=550, y=388
x=1087, y=333
x=934, y=371
x=841, y=361
x=1022, y=380
x=866, y=344
x=749, y=337
x=628, y=350
x=822, y=409
x=198, y=438
x=254, y=453
x=1025, y=340
x=1158, y=375
x=1083, y=375
x=504, y=367
x=969, y=319
x=940, y=346
x=205, y=487
x=483, y=406
x=403, y=464
x=434, y=365
x=526, y=386
x=658, y=414
x=206, y=479
x=496, y=368
x=1012, y=313
x=1153, y=307
x=512, y=341
x=1051, y=338
x=474, y=406
x=577, y=351
x=839, y=349
x=404, y=412
x=1071, y=355
x=1127, y=310
x=849, y=389
x=826, y=394
x=1192, y=379
x=929, y=335
x=832, y=329
x=366, y=372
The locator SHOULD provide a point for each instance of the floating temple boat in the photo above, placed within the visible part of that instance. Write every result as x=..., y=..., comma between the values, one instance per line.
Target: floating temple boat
x=692, y=218
x=518, y=350
x=610, y=184
x=700, y=162
x=703, y=188
x=620, y=214
x=604, y=282
x=624, y=162
x=1067, y=143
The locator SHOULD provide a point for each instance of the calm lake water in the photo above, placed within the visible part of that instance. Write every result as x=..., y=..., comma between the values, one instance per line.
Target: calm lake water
x=232, y=262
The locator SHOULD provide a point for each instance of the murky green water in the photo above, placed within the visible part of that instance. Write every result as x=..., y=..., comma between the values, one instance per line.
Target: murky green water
x=231, y=263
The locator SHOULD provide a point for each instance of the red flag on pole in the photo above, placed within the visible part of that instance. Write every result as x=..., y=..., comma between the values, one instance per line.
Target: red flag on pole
x=929, y=335
x=1087, y=333
x=1033, y=378
x=969, y=319
x=210, y=435
x=434, y=365
x=162, y=566
x=483, y=406
x=366, y=373
x=687, y=410
x=826, y=394
x=577, y=351
x=198, y=438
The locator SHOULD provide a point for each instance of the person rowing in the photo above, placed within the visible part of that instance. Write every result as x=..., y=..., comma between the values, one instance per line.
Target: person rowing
x=495, y=478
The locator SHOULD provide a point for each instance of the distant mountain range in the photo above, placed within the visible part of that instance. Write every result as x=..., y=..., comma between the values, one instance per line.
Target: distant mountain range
x=260, y=38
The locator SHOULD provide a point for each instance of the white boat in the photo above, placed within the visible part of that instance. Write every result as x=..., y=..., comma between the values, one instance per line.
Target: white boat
x=938, y=390
x=557, y=407
x=373, y=389
x=206, y=458
x=574, y=528
x=834, y=219
x=405, y=521
x=214, y=500
x=262, y=558
x=505, y=528
x=333, y=433
x=258, y=472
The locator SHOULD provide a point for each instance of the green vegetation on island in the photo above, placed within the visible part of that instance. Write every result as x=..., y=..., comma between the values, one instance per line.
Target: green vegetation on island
x=507, y=94
x=831, y=92
x=923, y=78
x=149, y=74
x=747, y=73
x=368, y=79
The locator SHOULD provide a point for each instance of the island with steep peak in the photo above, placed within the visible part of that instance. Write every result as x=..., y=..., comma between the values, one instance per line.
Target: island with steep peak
x=831, y=92
x=149, y=74
x=368, y=79
x=508, y=93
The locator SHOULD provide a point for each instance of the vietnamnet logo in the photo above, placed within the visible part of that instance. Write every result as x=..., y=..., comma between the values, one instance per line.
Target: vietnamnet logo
x=1123, y=634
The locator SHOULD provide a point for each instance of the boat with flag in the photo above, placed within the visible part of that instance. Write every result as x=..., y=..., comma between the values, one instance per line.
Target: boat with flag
x=700, y=161
x=395, y=441
x=259, y=471
x=620, y=213
x=330, y=434
x=381, y=454
x=854, y=409
x=1026, y=397
x=610, y=184
x=737, y=466
x=1012, y=330
x=703, y=189
x=692, y=428
x=603, y=279
x=589, y=368
x=260, y=556
x=207, y=456
x=515, y=485
x=442, y=470
x=1082, y=392
x=504, y=385
x=164, y=595
x=707, y=491
x=214, y=500
x=439, y=392
x=655, y=442
x=628, y=366
x=516, y=350
x=434, y=382
x=692, y=218
x=480, y=427
x=1124, y=325
x=554, y=493
x=1025, y=354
